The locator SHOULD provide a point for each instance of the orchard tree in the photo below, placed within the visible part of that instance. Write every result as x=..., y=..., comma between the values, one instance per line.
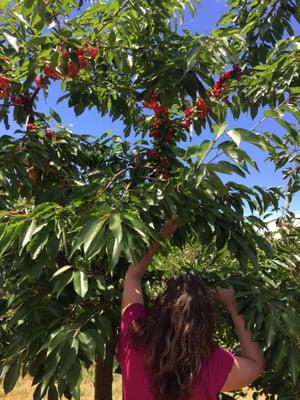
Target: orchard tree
x=76, y=211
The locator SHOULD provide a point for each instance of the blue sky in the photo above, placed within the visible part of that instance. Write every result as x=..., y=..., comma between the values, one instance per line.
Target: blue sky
x=90, y=122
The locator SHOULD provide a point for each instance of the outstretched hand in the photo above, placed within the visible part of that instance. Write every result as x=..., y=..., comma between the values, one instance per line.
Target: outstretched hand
x=169, y=226
x=225, y=296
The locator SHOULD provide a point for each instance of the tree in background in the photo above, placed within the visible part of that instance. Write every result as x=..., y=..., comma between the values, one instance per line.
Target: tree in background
x=75, y=211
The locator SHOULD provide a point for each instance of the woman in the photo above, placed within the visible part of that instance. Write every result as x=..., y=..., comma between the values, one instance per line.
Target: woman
x=168, y=352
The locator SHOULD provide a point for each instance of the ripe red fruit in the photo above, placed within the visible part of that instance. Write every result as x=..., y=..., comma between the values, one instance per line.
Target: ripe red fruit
x=155, y=133
x=58, y=136
x=66, y=54
x=164, y=163
x=93, y=51
x=188, y=111
x=152, y=154
x=41, y=82
x=4, y=82
x=156, y=122
x=4, y=93
x=17, y=100
x=4, y=87
x=155, y=154
x=49, y=133
x=186, y=123
x=80, y=51
x=82, y=61
x=49, y=71
x=158, y=109
x=31, y=127
x=72, y=69
x=202, y=107
x=168, y=137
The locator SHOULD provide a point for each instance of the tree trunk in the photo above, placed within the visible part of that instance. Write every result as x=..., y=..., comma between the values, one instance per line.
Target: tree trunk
x=103, y=379
x=104, y=373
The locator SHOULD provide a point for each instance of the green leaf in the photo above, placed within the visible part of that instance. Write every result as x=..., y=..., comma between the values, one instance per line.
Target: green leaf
x=239, y=134
x=38, y=243
x=97, y=244
x=28, y=4
x=199, y=151
x=91, y=231
x=62, y=281
x=114, y=248
x=91, y=227
x=4, y=3
x=55, y=115
x=270, y=330
x=68, y=357
x=31, y=226
x=80, y=282
x=115, y=226
x=74, y=375
x=87, y=345
x=219, y=129
x=61, y=270
x=12, y=41
x=11, y=376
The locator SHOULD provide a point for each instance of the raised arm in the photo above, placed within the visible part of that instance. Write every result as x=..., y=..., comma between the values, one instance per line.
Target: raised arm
x=247, y=368
x=132, y=291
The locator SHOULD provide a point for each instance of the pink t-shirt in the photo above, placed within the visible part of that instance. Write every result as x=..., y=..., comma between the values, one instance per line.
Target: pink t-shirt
x=135, y=383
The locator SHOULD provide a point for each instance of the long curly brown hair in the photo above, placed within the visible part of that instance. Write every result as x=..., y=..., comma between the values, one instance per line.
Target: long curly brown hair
x=178, y=334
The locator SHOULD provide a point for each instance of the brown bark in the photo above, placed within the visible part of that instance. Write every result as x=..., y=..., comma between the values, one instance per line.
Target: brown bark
x=103, y=379
x=104, y=374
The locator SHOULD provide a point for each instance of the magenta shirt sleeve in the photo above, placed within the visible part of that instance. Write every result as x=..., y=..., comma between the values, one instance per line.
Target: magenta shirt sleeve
x=219, y=366
x=132, y=312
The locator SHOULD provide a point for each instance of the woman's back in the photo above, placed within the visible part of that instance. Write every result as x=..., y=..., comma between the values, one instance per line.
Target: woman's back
x=136, y=382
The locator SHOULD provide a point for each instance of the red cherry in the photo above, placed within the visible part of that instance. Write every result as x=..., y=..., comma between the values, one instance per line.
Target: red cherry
x=164, y=163
x=18, y=100
x=155, y=133
x=82, y=61
x=188, y=111
x=156, y=122
x=72, y=69
x=49, y=71
x=80, y=51
x=152, y=154
x=31, y=127
x=58, y=136
x=4, y=93
x=93, y=51
x=66, y=54
x=155, y=154
x=4, y=82
x=158, y=109
x=168, y=137
x=186, y=123
x=49, y=133
x=41, y=82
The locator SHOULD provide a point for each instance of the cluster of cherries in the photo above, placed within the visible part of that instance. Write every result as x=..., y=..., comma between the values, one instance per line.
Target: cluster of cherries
x=162, y=131
x=163, y=128
x=83, y=56
x=219, y=86
x=4, y=87
x=49, y=133
x=66, y=66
